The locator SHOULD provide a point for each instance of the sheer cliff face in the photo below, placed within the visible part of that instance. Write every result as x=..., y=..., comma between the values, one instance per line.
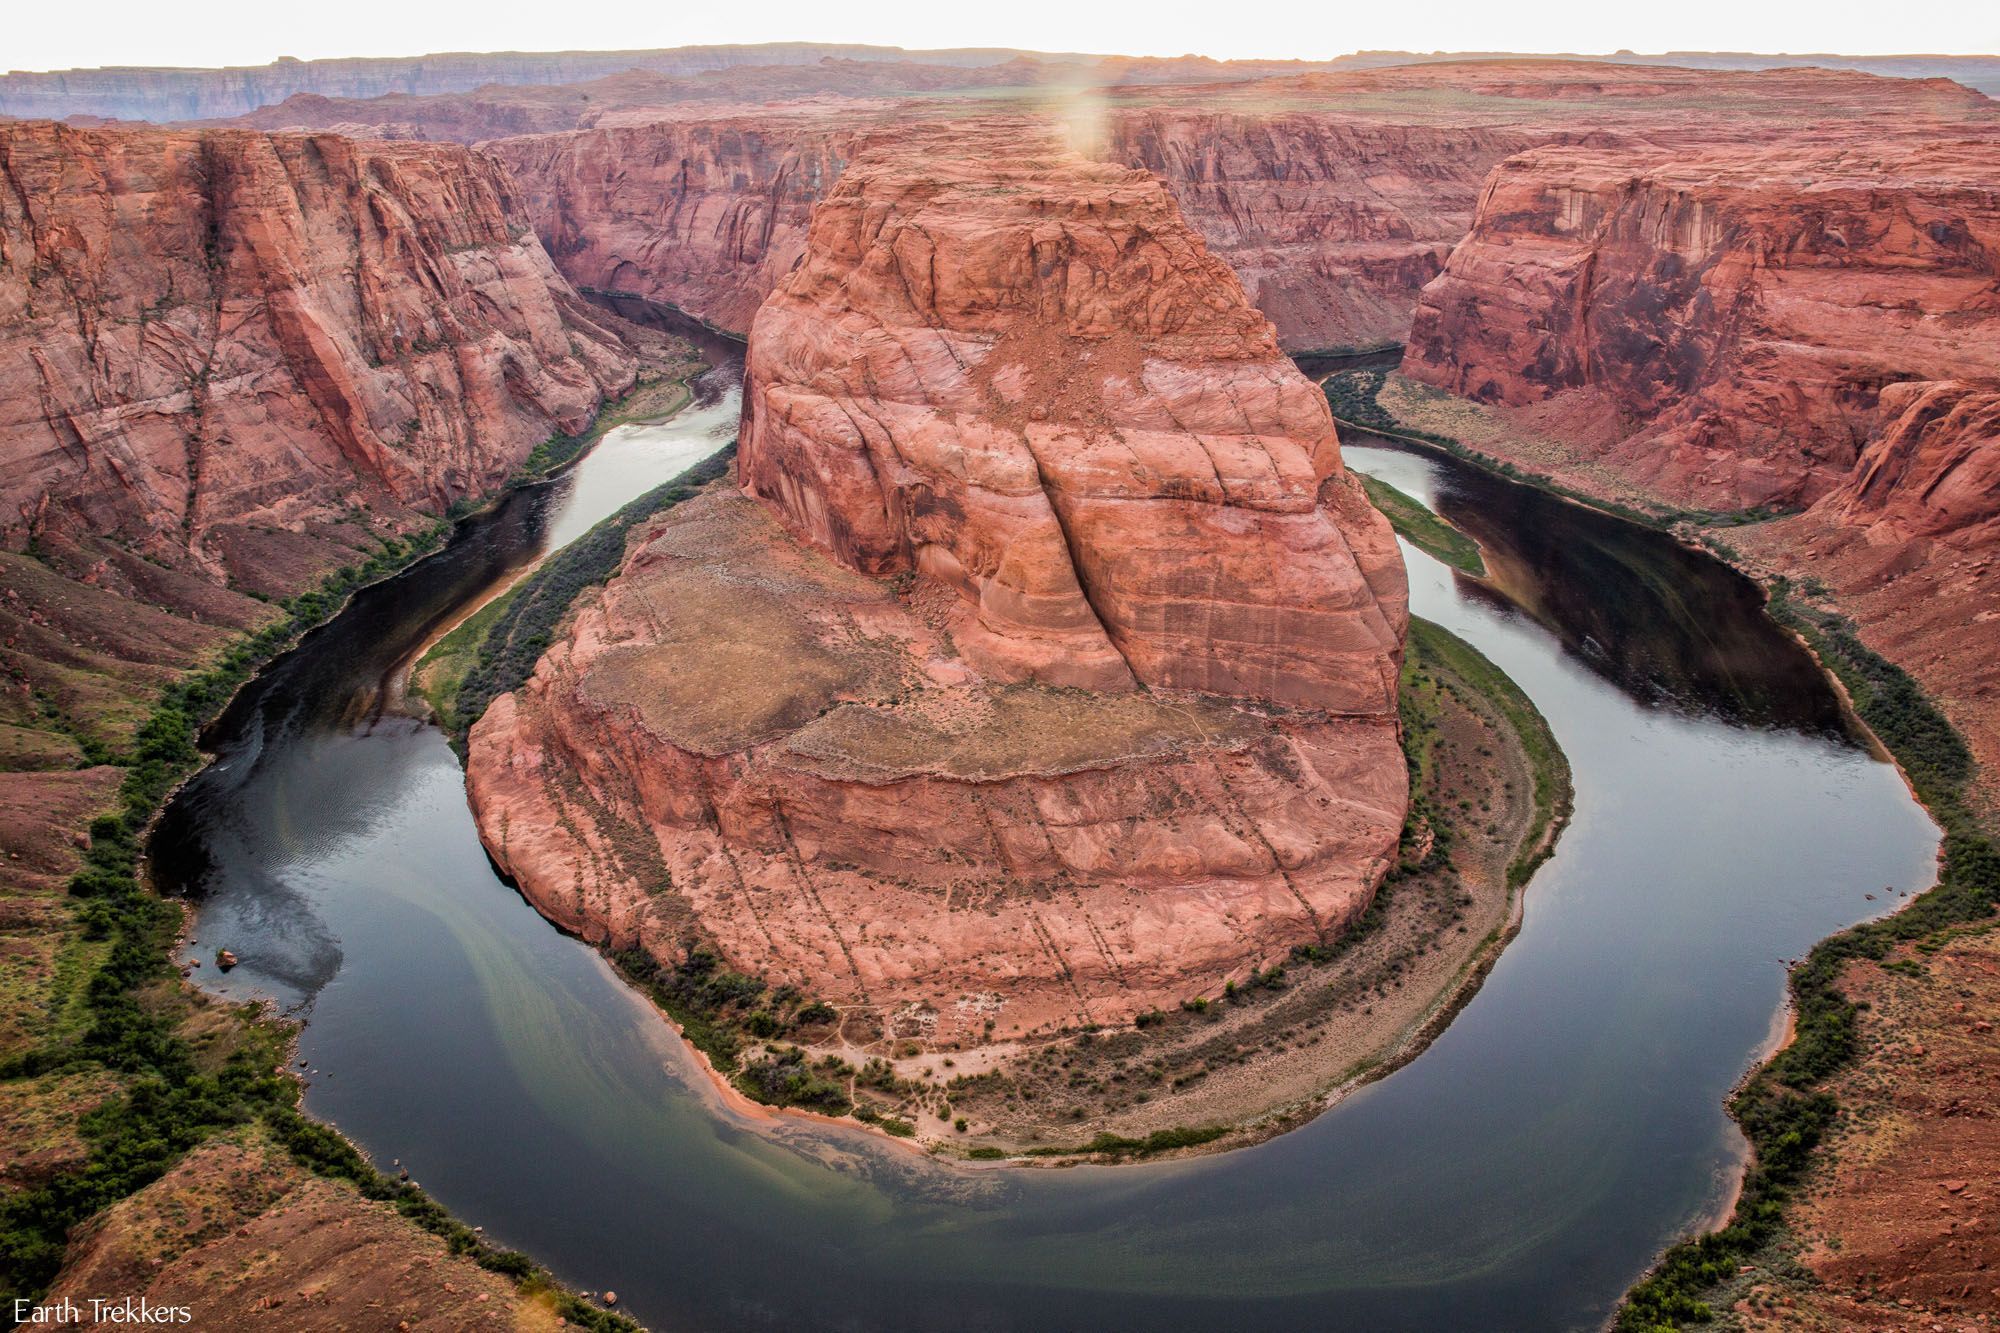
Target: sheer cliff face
x=1335, y=197
x=1815, y=324
x=1332, y=224
x=1009, y=430
x=1743, y=309
x=1026, y=376
x=706, y=215
x=208, y=336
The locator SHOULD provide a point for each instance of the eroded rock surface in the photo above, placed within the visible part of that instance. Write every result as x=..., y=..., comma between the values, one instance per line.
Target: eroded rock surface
x=242, y=1237
x=1332, y=222
x=205, y=334
x=1743, y=309
x=1024, y=377
x=1334, y=195
x=1019, y=447
x=703, y=213
x=1812, y=324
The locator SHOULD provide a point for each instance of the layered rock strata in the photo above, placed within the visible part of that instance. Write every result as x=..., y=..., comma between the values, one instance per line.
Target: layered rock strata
x=1743, y=310
x=1332, y=223
x=1043, y=672
x=1334, y=196
x=1811, y=325
x=704, y=214
x=207, y=335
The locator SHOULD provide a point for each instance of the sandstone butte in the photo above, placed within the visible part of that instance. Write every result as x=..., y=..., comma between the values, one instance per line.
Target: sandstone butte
x=1041, y=671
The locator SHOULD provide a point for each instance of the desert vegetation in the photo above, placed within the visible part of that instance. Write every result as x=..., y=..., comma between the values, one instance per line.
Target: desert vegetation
x=1784, y=1108
x=1423, y=528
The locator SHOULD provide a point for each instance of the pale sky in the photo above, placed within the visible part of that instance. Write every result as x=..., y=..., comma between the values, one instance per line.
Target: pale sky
x=43, y=35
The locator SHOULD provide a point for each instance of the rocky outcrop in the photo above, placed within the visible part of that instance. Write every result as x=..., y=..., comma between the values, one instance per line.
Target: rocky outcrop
x=241, y=1235
x=1021, y=446
x=1934, y=468
x=1027, y=378
x=1743, y=309
x=210, y=340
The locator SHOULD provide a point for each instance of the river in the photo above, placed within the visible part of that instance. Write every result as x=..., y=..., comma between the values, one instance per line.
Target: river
x=1518, y=1175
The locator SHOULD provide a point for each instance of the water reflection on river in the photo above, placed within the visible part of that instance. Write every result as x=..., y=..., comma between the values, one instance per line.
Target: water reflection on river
x=1516, y=1176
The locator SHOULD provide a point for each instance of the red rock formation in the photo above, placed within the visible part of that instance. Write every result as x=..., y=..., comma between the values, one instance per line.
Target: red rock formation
x=1333, y=226
x=1815, y=322
x=1743, y=308
x=1022, y=431
x=1934, y=468
x=1909, y=544
x=1334, y=196
x=1026, y=377
x=206, y=336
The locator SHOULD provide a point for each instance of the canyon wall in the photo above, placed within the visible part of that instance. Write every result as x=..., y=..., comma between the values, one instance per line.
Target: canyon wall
x=233, y=362
x=703, y=214
x=1742, y=310
x=1333, y=227
x=1335, y=196
x=1813, y=324
x=1332, y=224
x=207, y=335
x=1014, y=443
x=230, y=363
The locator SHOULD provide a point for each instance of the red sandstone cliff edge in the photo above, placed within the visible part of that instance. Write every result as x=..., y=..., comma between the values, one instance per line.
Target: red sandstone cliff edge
x=1813, y=324
x=208, y=331
x=232, y=361
x=1742, y=309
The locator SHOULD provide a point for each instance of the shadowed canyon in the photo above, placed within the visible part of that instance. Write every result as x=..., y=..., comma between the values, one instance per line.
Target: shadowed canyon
x=1034, y=609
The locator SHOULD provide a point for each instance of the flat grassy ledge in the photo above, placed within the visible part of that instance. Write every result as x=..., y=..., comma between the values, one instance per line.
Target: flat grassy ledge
x=657, y=396
x=1783, y=1107
x=1553, y=791
x=440, y=673
x=188, y=1069
x=1423, y=528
